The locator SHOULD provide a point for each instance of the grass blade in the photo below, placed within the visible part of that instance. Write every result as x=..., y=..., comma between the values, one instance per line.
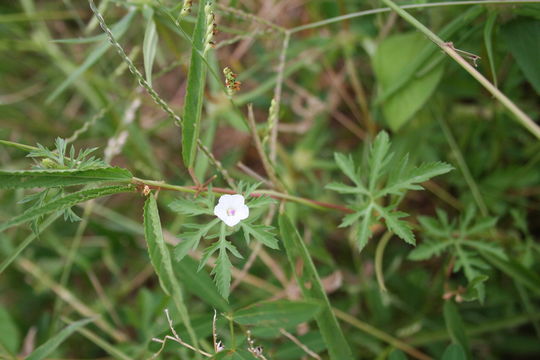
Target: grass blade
x=53, y=178
x=331, y=332
x=149, y=44
x=50, y=345
x=195, y=91
x=63, y=203
x=96, y=54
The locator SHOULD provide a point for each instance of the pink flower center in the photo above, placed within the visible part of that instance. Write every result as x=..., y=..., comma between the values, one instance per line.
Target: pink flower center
x=231, y=212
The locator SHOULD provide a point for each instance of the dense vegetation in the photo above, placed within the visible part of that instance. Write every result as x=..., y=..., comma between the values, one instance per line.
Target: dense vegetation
x=269, y=179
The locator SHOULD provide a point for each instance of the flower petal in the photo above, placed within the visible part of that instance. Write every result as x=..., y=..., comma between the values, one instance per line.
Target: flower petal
x=242, y=212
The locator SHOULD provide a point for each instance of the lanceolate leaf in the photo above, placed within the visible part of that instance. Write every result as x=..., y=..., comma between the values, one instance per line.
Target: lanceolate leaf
x=296, y=250
x=195, y=90
x=55, y=178
x=50, y=345
x=63, y=203
x=161, y=261
x=157, y=249
x=277, y=314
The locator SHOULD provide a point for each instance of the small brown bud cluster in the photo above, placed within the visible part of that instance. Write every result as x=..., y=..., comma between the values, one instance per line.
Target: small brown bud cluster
x=230, y=81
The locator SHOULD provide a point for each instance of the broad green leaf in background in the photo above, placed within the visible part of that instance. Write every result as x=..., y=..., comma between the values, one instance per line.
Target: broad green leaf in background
x=64, y=203
x=455, y=326
x=397, y=355
x=522, y=37
x=392, y=58
x=454, y=352
x=161, y=261
x=331, y=332
x=54, y=178
x=194, y=98
x=277, y=314
x=149, y=43
x=50, y=345
x=11, y=337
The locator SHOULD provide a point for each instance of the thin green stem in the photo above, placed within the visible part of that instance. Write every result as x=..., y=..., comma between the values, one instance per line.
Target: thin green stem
x=379, y=253
x=411, y=6
x=449, y=49
x=319, y=205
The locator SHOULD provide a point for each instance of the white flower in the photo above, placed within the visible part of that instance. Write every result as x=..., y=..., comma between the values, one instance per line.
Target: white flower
x=231, y=209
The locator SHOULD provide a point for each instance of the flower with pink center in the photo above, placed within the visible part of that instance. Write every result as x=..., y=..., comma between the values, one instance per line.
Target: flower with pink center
x=231, y=209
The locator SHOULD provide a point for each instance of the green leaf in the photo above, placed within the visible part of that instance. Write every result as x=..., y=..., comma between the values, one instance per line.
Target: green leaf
x=200, y=284
x=277, y=314
x=193, y=100
x=191, y=207
x=161, y=261
x=63, y=203
x=516, y=271
x=95, y=54
x=11, y=336
x=55, y=178
x=157, y=249
x=261, y=233
x=428, y=249
x=391, y=61
x=190, y=240
x=401, y=228
x=455, y=326
x=50, y=345
x=488, y=41
x=522, y=37
x=346, y=189
x=408, y=179
x=364, y=229
x=487, y=247
x=233, y=354
x=297, y=253
x=149, y=44
x=397, y=355
x=222, y=273
x=454, y=352
x=346, y=164
x=378, y=158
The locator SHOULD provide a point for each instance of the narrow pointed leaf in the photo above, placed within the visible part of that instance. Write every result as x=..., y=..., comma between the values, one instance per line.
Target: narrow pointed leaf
x=50, y=345
x=195, y=90
x=54, y=178
x=332, y=334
